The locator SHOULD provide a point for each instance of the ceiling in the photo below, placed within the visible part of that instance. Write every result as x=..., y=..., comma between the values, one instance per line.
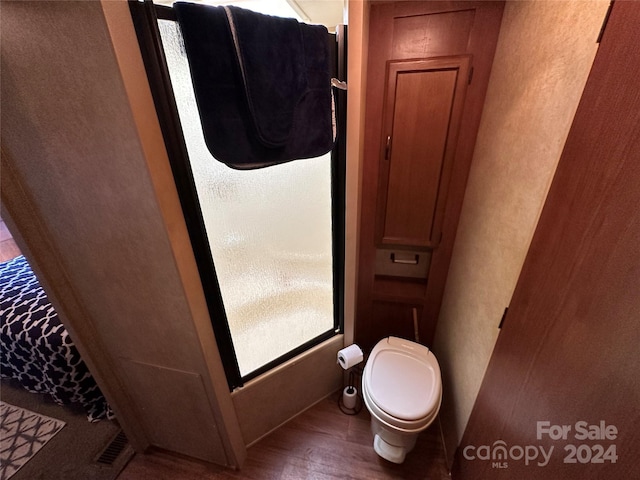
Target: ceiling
x=326, y=12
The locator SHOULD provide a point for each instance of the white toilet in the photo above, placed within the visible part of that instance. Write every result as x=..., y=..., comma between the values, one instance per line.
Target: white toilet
x=402, y=389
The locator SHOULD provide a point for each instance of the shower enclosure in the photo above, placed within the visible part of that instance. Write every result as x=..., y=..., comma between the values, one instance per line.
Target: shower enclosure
x=268, y=242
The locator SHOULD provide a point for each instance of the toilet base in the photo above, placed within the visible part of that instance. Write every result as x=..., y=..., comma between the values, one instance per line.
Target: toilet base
x=387, y=451
x=392, y=445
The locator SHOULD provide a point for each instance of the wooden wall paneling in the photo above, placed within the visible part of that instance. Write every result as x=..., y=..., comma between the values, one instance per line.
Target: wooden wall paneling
x=393, y=318
x=410, y=31
x=432, y=33
x=568, y=348
x=379, y=43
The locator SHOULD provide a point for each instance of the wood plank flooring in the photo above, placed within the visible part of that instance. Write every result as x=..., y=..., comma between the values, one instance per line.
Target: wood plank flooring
x=320, y=444
x=8, y=247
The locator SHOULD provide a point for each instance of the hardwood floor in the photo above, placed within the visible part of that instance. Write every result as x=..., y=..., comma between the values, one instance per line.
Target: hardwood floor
x=321, y=443
x=8, y=247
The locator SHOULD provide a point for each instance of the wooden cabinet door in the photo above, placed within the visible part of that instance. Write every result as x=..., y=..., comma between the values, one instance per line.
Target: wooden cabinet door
x=568, y=351
x=423, y=107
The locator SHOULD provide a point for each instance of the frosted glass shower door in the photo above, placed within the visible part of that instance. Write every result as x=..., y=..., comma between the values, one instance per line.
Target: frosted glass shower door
x=270, y=235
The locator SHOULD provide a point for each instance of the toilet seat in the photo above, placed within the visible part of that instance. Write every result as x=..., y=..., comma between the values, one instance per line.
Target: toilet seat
x=402, y=384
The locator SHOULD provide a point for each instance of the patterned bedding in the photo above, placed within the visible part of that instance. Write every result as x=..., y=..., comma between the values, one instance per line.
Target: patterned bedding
x=35, y=348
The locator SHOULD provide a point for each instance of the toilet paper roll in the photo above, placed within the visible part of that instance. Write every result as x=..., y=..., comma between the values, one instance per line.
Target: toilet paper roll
x=349, y=397
x=350, y=356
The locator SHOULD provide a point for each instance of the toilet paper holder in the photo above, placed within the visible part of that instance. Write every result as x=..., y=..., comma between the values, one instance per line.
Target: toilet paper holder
x=350, y=356
x=350, y=400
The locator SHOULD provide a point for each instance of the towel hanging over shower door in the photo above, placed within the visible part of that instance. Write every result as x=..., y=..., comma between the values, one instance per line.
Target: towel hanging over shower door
x=262, y=84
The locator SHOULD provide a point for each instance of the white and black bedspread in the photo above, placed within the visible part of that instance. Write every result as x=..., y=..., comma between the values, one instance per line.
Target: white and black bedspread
x=35, y=348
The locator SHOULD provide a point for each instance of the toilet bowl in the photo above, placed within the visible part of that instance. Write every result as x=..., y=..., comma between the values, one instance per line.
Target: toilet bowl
x=402, y=389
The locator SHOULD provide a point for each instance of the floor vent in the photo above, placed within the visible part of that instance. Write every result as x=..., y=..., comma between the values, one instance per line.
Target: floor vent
x=113, y=450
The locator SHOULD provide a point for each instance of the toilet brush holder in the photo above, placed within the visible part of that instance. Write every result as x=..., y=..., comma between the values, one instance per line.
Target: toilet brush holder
x=349, y=397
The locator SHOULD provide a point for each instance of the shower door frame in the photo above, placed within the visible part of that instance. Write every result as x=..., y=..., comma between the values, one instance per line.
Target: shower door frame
x=145, y=16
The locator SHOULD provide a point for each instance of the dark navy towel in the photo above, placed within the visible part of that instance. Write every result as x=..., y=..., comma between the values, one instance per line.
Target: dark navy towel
x=262, y=84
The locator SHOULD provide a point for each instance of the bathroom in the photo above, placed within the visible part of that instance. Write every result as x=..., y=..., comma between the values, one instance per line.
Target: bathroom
x=502, y=204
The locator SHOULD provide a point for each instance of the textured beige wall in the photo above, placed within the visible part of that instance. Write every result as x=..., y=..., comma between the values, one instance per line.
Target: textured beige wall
x=543, y=58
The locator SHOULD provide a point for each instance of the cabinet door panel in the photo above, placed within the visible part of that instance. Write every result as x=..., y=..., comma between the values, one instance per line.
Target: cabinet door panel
x=424, y=100
x=432, y=34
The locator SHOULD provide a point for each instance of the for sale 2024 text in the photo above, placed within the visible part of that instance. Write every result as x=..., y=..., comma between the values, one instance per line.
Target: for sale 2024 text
x=582, y=431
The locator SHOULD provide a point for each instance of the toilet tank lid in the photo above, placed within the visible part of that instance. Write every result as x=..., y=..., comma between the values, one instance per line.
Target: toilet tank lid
x=403, y=379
